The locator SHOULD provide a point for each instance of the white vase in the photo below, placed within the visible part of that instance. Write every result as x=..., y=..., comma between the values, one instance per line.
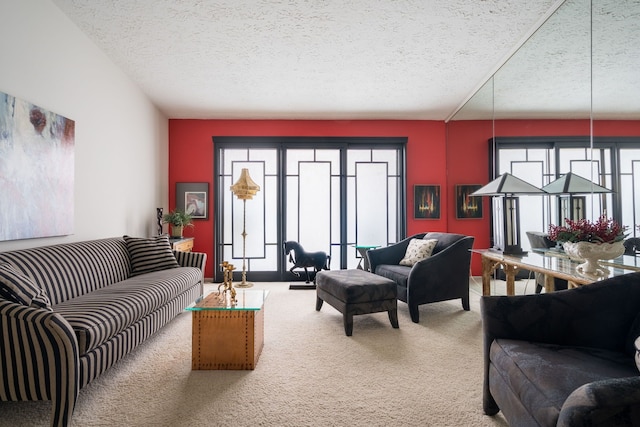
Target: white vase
x=591, y=253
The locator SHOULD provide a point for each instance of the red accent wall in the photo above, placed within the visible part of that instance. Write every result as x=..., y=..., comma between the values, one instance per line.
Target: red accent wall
x=437, y=154
x=191, y=158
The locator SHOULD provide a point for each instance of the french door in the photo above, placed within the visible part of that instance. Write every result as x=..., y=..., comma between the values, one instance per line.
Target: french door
x=327, y=194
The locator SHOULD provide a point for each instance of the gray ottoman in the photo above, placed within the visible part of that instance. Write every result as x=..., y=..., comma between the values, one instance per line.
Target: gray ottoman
x=357, y=292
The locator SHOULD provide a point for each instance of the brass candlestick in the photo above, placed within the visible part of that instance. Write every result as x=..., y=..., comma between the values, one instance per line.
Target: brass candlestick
x=227, y=285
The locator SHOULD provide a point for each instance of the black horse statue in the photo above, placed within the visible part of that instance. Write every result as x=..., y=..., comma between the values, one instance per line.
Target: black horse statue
x=301, y=259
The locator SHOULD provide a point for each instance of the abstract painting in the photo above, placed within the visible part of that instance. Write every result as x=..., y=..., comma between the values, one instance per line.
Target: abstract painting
x=426, y=201
x=36, y=171
x=468, y=206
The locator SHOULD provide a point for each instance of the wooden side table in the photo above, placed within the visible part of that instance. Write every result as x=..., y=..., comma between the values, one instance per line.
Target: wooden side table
x=184, y=244
x=226, y=336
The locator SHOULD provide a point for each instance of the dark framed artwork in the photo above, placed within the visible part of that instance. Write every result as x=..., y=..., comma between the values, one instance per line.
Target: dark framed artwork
x=426, y=201
x=193, y=198
x=468, y=206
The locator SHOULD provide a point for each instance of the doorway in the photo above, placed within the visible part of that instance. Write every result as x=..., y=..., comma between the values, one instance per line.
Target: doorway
x=328, y=194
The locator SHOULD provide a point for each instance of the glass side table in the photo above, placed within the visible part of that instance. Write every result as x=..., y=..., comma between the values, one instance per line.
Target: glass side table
x=363, y=264
x=226, y=335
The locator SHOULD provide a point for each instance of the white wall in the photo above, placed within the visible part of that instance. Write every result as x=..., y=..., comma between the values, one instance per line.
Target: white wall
x=121, y=140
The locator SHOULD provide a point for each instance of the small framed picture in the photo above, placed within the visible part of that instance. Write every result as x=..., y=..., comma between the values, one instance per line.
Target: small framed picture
x=468, y=206
x=426, y=201
x=193, y=198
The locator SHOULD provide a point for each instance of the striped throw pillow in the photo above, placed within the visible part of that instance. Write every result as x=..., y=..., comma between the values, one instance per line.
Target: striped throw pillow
x=149, y=254
x=20, y=289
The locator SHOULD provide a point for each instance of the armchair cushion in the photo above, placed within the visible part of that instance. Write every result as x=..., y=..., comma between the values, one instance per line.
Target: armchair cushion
x=418, y=250
x=397, y=273
x=544, y=375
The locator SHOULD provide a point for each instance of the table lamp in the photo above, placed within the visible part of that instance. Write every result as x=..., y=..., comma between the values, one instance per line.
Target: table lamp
x=508, y=187
x=570, y=184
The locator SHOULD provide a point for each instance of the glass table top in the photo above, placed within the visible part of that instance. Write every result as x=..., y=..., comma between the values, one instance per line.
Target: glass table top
x=558, y=261
x=246, y=299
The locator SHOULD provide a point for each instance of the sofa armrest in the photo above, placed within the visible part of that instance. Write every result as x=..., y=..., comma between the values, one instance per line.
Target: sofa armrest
x=607, y=402
x=449, y=259
x=449, y=267
x=193, y=259
x=391, y=254
x=40, y=356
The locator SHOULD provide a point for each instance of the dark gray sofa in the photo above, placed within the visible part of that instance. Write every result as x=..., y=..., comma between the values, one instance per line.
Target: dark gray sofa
x=443, y=276
x=564, y=358
x=93, y=303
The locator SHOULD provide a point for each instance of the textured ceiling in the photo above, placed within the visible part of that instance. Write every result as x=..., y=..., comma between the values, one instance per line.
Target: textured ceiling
x=307, y=59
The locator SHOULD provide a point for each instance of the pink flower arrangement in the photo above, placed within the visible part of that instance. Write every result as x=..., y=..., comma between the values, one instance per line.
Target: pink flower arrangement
x=605, y=230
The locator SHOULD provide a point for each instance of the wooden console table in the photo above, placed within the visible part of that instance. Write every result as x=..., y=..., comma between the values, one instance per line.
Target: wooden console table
x=551, y=266
x=184, y=244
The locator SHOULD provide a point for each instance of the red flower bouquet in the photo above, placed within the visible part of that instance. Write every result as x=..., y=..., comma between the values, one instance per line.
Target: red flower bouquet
x=605, y=230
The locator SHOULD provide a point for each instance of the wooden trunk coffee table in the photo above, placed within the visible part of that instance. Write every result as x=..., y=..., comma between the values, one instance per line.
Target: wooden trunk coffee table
x=227, y=336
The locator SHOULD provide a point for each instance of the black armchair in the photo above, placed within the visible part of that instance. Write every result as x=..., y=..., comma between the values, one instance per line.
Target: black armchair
x=564, y=358
x=442, y=276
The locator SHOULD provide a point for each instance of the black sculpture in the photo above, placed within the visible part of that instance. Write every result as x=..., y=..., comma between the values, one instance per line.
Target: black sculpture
x=301, y=259
x=159, y=220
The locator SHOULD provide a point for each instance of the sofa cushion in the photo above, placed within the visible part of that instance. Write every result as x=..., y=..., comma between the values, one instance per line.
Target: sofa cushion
x=20, y=289
x=150, y=254
x=544, y=375
x=100, y=315
x=417, y=250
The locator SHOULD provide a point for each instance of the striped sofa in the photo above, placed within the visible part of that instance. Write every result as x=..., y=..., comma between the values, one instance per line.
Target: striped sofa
x=95, y=302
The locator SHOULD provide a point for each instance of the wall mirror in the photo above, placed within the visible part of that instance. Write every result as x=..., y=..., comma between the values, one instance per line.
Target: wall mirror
x=576, y=78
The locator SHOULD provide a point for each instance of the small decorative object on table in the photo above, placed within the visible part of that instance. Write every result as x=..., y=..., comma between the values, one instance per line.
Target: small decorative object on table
x=159, y=219
x=178, y=220
x=589, y=242
x=227, y=283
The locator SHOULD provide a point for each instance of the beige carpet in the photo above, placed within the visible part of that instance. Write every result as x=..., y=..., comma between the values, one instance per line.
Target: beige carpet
x=309, y=374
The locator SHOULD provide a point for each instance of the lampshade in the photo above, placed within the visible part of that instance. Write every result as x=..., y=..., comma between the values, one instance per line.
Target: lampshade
x=245, y=188
x=573, y=184
x=507, y=184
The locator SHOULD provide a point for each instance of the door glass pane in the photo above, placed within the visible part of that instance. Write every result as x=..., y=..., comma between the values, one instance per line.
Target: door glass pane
x=254, y=213
x=371, y=203
x=314, y=206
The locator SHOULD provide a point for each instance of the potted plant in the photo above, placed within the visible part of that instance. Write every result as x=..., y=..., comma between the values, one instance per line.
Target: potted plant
x=590, y=242
x=178, y=219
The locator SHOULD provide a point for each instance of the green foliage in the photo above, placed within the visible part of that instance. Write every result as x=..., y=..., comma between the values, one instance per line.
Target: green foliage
x=178, y=218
